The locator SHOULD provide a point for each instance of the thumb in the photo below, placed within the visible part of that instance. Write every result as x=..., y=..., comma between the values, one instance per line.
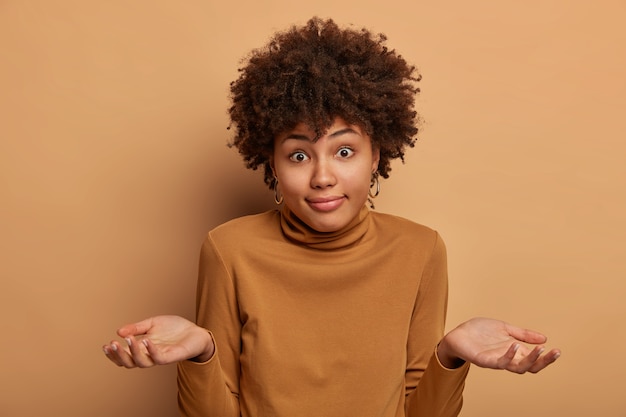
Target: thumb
x=135, y=329
x=526, y=335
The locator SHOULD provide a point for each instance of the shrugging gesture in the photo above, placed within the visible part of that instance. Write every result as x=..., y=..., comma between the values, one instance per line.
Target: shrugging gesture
x=291, y=293
x=160, y=340
x=490, y=343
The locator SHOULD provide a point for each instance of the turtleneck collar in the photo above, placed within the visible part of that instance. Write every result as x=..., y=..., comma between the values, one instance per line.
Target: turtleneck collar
x=298, y=231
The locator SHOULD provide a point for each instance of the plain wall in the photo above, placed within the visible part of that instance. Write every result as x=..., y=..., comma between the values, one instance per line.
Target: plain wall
x=114, y=165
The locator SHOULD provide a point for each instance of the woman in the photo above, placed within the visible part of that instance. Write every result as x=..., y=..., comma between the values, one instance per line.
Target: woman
x=324, y=307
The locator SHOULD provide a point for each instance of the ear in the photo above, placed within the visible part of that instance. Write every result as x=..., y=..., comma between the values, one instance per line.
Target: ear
x=375, y=158
x=271, y=163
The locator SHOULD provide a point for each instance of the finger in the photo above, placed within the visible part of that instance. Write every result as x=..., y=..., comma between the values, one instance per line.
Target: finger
x=526, y=335
x=108, y=351
x=546, y=360
x=120, y=356
x=505, y=360
x=529, y=361
x=139, y=353
x=135, y=329
x=553, y=355
x=157, y=355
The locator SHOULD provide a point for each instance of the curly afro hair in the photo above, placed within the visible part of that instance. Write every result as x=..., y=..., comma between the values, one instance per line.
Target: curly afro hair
x=314, y=73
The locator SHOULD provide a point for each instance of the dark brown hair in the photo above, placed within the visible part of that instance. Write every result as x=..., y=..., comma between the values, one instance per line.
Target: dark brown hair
x=314, y=73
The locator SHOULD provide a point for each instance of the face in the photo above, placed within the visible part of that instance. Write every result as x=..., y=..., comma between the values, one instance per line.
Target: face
x=325, y=182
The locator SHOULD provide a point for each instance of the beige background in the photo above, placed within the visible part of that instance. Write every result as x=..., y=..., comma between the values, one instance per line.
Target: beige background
x=113, y=166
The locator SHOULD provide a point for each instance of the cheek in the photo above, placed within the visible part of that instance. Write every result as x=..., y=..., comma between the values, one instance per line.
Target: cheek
x=291, y=183
x=359, y=180
x=363, y=173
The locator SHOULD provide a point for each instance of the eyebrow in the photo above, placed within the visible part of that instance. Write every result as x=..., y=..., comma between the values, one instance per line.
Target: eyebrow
x=339, y=132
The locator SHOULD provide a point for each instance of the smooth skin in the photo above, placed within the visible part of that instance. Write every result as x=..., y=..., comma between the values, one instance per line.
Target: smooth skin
x=160, y=340
x=325, y=182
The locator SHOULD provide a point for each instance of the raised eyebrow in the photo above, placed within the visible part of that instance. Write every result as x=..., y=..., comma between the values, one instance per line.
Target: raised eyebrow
x=343, y=132
x=295, y=136
x=339, y=132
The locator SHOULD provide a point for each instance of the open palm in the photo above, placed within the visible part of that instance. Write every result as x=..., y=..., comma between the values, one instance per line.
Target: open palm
x=159, y=340
x=490, y=343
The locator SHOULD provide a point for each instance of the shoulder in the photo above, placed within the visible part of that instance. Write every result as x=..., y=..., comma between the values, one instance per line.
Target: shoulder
x=239, y=231
x=251, y=220
x=406, y=235
x=401, y=226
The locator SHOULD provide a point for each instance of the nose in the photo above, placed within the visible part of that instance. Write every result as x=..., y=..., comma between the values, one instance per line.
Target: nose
x=323, y=175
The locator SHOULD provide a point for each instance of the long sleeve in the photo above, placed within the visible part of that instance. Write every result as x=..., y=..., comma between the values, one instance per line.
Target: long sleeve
x=432, y=390
x=211, y=389
x=290, y=309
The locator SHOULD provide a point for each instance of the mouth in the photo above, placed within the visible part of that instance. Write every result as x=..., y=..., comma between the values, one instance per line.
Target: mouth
x=326, y=203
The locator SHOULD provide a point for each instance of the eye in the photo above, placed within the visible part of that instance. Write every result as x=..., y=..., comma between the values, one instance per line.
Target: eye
x=345, y=152
x=298, y=156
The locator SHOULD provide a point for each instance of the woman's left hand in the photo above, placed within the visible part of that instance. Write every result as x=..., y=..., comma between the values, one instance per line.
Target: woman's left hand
x=490, y=343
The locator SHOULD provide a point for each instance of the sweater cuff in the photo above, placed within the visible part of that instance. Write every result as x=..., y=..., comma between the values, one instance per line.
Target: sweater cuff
x=462, y=368
x=211, y=359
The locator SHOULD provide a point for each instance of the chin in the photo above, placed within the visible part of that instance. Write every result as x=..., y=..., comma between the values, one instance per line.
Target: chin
x=327, y=227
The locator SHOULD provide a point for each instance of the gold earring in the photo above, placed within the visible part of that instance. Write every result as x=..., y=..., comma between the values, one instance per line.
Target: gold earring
x=278, y=200
x=370, y=196
x=374, y=182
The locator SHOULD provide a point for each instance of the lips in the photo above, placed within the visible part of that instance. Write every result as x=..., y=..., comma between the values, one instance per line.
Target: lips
x=326, y=203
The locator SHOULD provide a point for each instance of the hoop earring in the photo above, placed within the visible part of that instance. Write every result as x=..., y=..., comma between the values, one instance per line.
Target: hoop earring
x=370, y=196
x=374, y=182
x=278, y=200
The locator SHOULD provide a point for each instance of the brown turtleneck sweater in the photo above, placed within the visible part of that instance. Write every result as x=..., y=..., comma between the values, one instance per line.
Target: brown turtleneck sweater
x=322, y=324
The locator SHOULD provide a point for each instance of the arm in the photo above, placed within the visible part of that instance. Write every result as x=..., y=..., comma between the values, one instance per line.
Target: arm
x=495, y=344
x=211, y=388
x=159, y=340
x=432, y=390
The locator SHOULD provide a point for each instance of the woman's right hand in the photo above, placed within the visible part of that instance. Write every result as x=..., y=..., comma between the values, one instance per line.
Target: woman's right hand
x=160, y=340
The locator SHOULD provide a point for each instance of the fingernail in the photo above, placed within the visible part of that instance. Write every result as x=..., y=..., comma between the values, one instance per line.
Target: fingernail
x=106, y=351
x=541, y=351
x=557, y=355
x=145, y=342
x=114, y=347
x=128, y=341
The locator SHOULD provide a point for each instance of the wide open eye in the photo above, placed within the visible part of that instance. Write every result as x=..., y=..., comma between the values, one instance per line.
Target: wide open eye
x=298, y=156
x=345, y=152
